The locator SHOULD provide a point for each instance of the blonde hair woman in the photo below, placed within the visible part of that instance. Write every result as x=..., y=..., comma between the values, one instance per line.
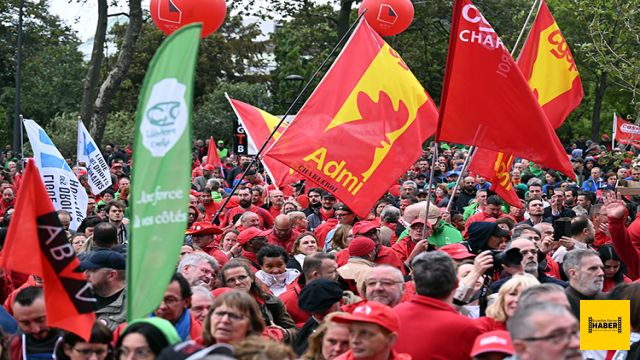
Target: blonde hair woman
x=505, y=304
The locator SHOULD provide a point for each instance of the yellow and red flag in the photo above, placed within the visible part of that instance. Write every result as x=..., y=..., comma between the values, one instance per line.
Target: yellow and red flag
x=496, y=168
x=486, y=100
x=259, y=124
x=36, y=244
x=548, y=66
x=363, y=126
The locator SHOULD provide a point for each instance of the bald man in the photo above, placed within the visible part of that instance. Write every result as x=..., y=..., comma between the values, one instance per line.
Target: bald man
x=282, y=235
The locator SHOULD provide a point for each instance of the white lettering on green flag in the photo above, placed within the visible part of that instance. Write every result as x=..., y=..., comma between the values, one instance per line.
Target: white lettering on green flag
x=161, y=171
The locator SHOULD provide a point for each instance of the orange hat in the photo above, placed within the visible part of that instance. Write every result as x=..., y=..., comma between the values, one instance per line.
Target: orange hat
x=493, y=341
x=246, y=235
x=363, y=227
x=372, y=312
x=203, y=228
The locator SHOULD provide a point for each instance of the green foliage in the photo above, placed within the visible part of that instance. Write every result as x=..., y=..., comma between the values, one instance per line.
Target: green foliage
x=229, y=55
x=120, y=128
x=216, y=117
x=63, y=131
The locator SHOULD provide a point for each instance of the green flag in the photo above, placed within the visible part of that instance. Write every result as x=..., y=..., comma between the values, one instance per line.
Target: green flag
x=161, y=171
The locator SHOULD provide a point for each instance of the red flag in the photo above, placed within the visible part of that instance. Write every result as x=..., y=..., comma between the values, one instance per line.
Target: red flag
x=626, y=132
x=259, y=124
x=496, y=168
x=36, y=244
x=213, y=158
x=548, y=66
x=363, y=125
x=486, y=100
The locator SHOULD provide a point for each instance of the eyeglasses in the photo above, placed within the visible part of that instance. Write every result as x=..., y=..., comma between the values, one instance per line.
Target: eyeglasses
x=193, y=214
x=137, y=353
x=86, y=353
x=383, y=283
x=219, y=314
x=556, y=338
x=234, y=280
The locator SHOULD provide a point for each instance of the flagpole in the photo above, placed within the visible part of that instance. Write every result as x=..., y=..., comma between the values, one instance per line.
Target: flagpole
x=434, y=158
x=524, y=27
x=22, y=141
x=465, y=165
x=613, y=131
x=287, y=113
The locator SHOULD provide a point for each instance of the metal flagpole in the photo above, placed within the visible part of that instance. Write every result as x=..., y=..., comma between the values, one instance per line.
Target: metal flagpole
x=434, y=158
x=533, y=7
x=465, y=165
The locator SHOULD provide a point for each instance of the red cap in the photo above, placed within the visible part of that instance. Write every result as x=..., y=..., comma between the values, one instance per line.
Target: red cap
x=208, y=167
x=421, y=221
x=246, y=235
x=219, y=291
x=363, y=227
x=372, y=312
x=457, y=251
x=203, y=228
x=493, y=341
x=360, y=246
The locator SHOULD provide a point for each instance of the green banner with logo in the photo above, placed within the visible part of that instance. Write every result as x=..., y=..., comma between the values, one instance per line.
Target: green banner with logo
x=161, y=171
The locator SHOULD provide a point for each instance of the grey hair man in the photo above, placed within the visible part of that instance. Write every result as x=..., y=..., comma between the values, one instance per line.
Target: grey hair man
x=384, y=284
x=585, y=271
x=201, y=301
x=199, y=269
x=543, y=293
x=545, y=331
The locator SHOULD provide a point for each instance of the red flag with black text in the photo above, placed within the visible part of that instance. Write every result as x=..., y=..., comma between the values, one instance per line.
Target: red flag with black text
x=36, y=244
x=487, y=102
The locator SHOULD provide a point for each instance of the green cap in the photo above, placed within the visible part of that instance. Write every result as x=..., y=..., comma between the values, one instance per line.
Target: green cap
x=165, y=327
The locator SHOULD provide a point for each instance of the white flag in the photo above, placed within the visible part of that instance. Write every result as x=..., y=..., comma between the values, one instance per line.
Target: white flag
x=97, y=168
x=64, y=189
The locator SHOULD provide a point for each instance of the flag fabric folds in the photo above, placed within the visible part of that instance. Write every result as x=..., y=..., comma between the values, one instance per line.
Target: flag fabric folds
x=65, y=191
x=259, y=124
x=625, y=132
x=548, y=66
x=496, y=168
x=486, y=100
x=363, y=126
x=97, y=168
x=36, y=244
x=213, y=158
x=161, y=175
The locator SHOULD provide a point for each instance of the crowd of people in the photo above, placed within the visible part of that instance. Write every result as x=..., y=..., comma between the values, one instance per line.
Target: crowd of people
x=293, y=273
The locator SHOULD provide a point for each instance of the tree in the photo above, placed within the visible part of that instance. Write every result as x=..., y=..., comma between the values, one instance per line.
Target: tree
x=216, y=117
x=50, y=62
x=95, y=109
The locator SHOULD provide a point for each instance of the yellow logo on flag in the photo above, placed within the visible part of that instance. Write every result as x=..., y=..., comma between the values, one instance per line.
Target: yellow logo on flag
x=555, y=62
x=501, y=167
x=605, y=324
x=387, y=74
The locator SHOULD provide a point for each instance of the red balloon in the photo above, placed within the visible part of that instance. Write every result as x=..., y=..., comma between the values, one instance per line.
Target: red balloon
x=169, y=15
x=388, y=17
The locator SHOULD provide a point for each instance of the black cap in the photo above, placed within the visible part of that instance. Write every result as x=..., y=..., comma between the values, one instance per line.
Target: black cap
x=343, y=207
x=319, y=295
x=326, y=194
x=104, y=259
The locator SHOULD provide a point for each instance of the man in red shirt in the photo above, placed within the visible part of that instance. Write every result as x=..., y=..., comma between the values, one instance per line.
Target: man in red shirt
x=282, y=235
x=414, y=244
x=244, y=204
x=451, y=335
x=202, y=234
x=210, y=206
x=276, y=202
x=252, y=240
x=373, y=332
x=493, y=210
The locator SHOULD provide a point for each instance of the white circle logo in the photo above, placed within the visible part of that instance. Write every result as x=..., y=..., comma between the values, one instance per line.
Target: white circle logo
x=165, y=117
